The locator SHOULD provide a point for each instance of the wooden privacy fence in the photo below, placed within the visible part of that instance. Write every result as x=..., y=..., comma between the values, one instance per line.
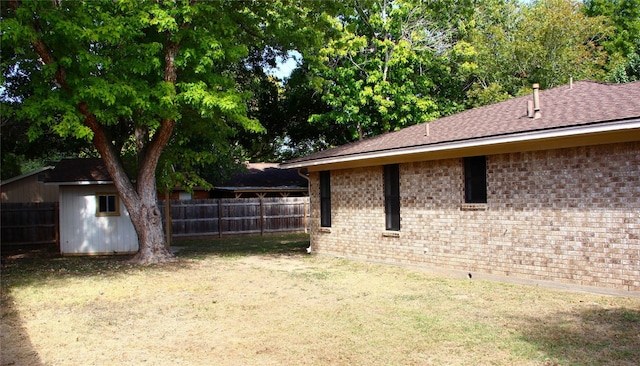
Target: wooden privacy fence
x=37, y=223
x=29, y=223
x=229, y=216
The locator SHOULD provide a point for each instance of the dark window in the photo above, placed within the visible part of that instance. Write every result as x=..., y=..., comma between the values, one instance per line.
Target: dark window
x=475, y=179
x=325, y=198
x=107, y=204
x=392, y=197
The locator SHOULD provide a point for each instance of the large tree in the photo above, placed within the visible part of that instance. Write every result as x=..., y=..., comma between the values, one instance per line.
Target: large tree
x=623, y=44
x=264, y=106
x=127, y=74
x=517, y=44
x=302, y=99
x=383, y=72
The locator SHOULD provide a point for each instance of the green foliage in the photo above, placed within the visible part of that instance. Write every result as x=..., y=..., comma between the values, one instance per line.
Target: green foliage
x=370, y=66
x=118, y=58
x=517, y=44
x=397, y=63
x=627, y=70
x=624, y=15
x=555, y=41
x=301, y=100
x=623, y=43
x=264, y=106
x=10, y=166
x=198, y=155
x=492, y=93
x=381, y=73
x=20, y=156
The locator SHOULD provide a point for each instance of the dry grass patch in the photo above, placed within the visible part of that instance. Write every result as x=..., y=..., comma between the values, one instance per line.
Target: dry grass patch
x=253, y=301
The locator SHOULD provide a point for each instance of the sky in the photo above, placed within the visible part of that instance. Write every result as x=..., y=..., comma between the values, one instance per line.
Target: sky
x=285, y=66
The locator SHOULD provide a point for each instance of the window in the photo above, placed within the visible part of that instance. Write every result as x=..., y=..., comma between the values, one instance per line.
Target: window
x=107, y=204
x=475, y=179
x=325, y=198
x=392, y=197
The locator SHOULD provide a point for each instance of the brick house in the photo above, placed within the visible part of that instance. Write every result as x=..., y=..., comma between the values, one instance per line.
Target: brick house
x=544, y=187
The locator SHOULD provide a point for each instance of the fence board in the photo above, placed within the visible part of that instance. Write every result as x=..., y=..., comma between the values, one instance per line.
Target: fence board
x=29, y=223
x=37, y=223
x=227, y=216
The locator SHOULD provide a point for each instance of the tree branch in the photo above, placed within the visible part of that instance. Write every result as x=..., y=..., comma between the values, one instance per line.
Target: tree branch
x=364, y=17
x=163, y=134
x=107, y=150
x=43, y=51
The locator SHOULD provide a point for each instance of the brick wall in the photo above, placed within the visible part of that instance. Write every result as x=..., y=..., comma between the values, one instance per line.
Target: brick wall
x=567, y=215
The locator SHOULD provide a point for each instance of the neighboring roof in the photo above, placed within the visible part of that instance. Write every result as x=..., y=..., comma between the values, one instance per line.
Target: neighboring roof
x=80, y=171
x=257, y=176
x=584, y=107
x=26, y=175
x=264, y=177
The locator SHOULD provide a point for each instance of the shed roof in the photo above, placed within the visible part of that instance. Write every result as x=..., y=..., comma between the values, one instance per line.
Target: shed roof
x=568, y=110
x=80, y=171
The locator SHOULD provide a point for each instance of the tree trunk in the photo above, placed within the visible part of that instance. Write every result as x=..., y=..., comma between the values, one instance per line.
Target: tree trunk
x=142, y=200
x=148, y=224
x=146, y=219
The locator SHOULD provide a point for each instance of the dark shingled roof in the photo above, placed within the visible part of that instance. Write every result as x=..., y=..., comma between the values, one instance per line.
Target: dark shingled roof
x=79, y=170
x=256, y=174
x=586, y=102
x=265, y=175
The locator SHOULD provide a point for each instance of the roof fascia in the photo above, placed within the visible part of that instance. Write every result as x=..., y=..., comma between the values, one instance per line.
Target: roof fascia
x=80, y=183
x=262, y=189
x=592, y=134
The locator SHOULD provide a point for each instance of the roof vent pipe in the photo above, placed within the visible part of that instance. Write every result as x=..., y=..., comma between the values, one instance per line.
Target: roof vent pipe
x=536, y=101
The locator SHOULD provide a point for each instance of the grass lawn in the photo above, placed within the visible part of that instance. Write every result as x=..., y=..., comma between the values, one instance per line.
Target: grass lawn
x=264, y=301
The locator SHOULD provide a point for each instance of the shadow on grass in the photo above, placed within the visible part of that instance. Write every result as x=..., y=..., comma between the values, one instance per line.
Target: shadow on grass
x=35, y=267
x=17, y=348
x=278, y=245
x=595, y=336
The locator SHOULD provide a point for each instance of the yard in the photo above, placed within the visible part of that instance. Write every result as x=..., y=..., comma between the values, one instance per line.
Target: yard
x=264, y=301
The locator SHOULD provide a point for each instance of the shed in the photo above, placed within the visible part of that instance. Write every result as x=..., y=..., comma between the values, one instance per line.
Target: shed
x=93, y=219
x=29, y=187
x=542, y=188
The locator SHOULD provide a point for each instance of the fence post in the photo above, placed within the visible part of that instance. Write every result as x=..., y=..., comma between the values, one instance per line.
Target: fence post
x=168, y=222
x=261, y=214
x=219, y=217
x=56, y=225
x=304, y=215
